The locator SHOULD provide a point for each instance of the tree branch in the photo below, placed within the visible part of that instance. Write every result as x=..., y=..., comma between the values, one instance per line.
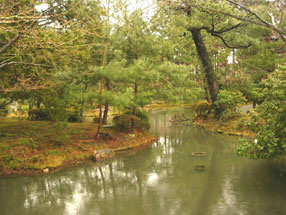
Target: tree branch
x=7, y=45
x=218, y=35
x=227, y=45
x=28, y=64
x=228, y=29
x=264, y=22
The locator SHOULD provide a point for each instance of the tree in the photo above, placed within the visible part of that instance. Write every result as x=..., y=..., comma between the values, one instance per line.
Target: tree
x=196, y=19
x=45, y=47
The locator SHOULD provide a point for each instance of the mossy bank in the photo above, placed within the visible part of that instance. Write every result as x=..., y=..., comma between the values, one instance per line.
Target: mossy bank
x=29, y=147
x=235, y=125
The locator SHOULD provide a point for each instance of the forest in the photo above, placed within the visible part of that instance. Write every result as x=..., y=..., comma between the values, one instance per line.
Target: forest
x=62, y=60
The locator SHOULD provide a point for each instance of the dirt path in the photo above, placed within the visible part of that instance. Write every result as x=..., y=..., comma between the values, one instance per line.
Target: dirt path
x=245, y=108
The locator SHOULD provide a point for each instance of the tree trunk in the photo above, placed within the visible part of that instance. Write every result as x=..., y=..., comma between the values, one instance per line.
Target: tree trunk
x=135, y=98
x=206, y=90
x=106, y=108
x=83, y=100
x=209, y=73
x=100, y=109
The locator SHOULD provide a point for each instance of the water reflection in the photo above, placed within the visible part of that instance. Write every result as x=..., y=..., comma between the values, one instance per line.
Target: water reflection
x=158, y=180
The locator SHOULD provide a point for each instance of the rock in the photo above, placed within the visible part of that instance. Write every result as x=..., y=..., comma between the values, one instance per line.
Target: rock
x=199, y=154
x=107, y=126
x=46, y=170
x=103, y=154
x=200, y=167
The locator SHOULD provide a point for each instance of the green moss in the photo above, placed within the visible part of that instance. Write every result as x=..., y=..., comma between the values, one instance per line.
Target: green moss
x=54, y=161
x=15, y=164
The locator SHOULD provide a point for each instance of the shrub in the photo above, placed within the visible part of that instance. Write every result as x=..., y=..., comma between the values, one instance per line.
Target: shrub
x=128, y=122
x=39, y=115
x=202, y=108
x=227, y=102
x=269, y=121
x=140, y=114
x=74, y=116
x=125, y=122
x=45, y=114
x=3, y=109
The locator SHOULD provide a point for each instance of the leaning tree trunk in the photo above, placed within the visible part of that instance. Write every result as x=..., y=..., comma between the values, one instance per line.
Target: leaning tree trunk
x=106, y=108
x=100, y=109
x=209, y=73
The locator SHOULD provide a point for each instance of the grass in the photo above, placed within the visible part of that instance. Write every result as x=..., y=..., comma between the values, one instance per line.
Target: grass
x=31, y=146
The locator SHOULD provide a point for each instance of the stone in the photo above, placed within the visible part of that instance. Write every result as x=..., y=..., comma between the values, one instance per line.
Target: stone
x=132, y=135
x=103, y=154
x=46, y=170
x=107, y=126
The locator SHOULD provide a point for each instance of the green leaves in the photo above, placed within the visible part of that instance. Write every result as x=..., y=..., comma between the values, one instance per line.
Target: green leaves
x=269, y=120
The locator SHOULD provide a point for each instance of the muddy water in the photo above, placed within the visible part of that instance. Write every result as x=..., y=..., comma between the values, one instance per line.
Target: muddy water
x=161, y=179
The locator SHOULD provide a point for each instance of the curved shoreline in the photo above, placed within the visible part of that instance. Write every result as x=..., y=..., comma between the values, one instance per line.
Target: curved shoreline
x=143, y=143
x=33, y=147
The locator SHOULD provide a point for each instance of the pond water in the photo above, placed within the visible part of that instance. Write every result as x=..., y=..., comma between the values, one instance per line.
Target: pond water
x=161, y=179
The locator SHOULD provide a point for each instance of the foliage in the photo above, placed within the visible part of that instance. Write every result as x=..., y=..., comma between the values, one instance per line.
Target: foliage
x=227, y=103
x=129, y=122
x=269, y=120
x=202, y=108
x=39, y=114
x=125, y=122
x=3, y=108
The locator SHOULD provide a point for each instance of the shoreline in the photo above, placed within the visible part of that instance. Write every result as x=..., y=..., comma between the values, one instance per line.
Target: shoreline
x=74, y=163
x=233, y=126
x=41, y=147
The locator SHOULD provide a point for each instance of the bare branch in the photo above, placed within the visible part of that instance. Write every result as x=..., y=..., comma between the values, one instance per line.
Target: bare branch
x=28, y=64
x=264, y=22
x=229, y=46
x=7, y=45
x=218, y=35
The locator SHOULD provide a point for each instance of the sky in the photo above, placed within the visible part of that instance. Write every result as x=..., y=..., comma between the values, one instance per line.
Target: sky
x=148, y=6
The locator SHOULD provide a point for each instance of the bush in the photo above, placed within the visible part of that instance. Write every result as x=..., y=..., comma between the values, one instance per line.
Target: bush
x=45, y=114
x=227, y=103
x=125, y=122
x=202, y=108
x=74, y=116
x=140, y=114
x=269, y=121
x=39, y=115
x=3, y=109
x=128, y=122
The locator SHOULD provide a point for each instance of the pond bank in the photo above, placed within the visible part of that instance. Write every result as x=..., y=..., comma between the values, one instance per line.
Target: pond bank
x=232, y=126
x=30, y=147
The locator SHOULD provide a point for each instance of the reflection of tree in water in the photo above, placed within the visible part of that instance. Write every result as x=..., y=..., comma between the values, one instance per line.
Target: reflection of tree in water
x=158, y=180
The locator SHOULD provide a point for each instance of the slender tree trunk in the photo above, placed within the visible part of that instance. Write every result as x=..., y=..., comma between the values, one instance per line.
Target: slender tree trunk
x=135, y=88
x=135, y=97
x=104, y=61
x=100, y=109
x=31, y=106
x=106, y=108
x=83, y=100
x=209, y=73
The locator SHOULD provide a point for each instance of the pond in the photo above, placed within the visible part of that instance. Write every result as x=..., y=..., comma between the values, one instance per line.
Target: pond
x=162, y=179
